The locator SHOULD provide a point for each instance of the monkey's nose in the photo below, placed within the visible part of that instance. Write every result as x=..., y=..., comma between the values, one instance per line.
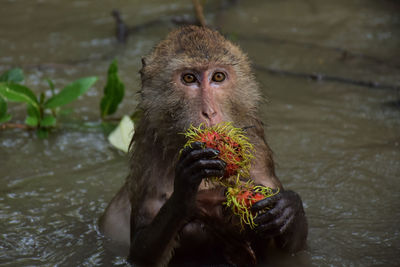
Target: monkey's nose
x=211, y=118
x=209, y=115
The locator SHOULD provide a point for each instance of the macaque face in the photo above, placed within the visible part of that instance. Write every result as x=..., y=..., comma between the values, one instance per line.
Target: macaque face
x=207, y=90
x=194, y=77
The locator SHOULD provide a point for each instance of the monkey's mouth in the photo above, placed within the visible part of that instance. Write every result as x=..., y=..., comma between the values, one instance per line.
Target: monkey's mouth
x=208, y=124
x=212, y=122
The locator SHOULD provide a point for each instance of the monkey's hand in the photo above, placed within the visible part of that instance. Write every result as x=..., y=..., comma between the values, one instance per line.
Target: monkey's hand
x=282, y=217
x=195, y=164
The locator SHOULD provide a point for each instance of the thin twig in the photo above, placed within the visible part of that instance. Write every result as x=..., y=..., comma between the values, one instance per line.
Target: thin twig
x=5, y=126
x=121, y=30
x=198, y=10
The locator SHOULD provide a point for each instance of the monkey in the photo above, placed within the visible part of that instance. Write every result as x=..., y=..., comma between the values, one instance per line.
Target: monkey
x=165, y=212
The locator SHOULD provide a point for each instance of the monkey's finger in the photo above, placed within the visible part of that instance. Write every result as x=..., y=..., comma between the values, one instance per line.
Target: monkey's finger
x=266, y=216
x=211, y=164
x=268, y=202
x=276, y=226
x=199, y=165
x=207, y=173
x=195, y=155
x=199, y=153
x=193, y=146
x=288, y=222
x=271, y=215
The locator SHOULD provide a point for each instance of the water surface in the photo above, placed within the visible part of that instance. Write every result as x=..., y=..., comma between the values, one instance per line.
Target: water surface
x=335, y=143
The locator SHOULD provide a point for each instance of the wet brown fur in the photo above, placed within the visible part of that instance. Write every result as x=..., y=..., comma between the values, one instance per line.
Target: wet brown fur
x=166, y=113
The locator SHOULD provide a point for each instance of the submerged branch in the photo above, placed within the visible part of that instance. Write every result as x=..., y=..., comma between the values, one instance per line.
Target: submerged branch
x=121, y=30
x=6, y=126
x=327, y=78
x=345, y=54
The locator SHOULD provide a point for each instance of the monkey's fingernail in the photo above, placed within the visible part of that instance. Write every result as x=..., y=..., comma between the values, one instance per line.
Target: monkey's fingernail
x=216, y=152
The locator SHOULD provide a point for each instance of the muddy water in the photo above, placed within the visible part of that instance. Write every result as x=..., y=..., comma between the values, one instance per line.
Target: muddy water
x=335, y=143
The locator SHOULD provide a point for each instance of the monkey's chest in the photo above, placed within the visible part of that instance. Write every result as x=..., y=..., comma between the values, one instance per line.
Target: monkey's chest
x=202, y=242
x=214, y=235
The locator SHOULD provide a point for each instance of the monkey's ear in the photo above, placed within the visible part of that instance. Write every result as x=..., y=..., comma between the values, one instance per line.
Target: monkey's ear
x=143, y=62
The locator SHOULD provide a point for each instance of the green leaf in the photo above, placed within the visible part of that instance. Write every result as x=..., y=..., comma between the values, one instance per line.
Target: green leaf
x=31, y=121
x=33, y=117
x=33, y=112
x=113, y=91
x=51, y=84
x=65, y=111
x=43, y=133
x=48, y=121
x=13, y=75
x=4, y=117
x=3, y=107
x=70, y=92
x=18, y=93
x=41, y=98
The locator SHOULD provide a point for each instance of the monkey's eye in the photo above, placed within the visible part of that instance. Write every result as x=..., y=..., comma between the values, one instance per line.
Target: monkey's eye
x=188, y=78
x=218, y=77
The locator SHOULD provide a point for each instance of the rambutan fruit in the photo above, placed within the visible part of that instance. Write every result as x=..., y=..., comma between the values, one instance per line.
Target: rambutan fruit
x=241, y=199
x=234, y=147
x=236, y=151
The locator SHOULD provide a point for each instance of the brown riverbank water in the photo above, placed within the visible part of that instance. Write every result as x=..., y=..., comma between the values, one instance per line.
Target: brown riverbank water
x=336, y=144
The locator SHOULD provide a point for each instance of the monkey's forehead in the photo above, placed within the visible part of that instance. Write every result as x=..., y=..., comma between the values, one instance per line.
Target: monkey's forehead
x=200, y=45
x=182, y=62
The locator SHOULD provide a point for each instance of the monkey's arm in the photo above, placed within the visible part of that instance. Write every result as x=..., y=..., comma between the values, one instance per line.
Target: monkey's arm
x=152, y=244
x=282, y=216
